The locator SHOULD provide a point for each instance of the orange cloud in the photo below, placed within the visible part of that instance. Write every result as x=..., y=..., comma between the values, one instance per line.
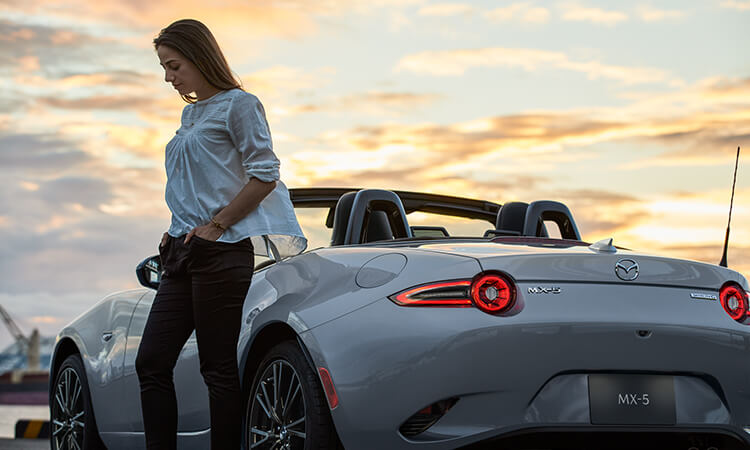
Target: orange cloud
x=375, y=103
x=109, y=79
x=574, y=11
x=426, y=155
x=598, y=212
x=110, y=102
x=28, y=63
x=65, y=37
x=503, y=132
x=276, y=81
x=736, y=4
x=34, y=37
x=725, y=87
x=738, y=255
x=693, y=125
x=651, y=14
x=692, y=225
x=523, y=12
x=140, y=141
x=25, y=34
x=227, y=19
x=445, y=9
x=456, y=62
x=416, y=154
x=29, y=186
x=396, y=99
x=44, y=319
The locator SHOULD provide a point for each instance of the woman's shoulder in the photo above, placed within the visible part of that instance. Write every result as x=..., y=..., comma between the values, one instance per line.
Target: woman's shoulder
x=241, y=96
x=243, y=103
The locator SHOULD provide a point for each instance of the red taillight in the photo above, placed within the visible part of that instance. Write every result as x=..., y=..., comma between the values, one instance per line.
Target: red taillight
x=444, y=293
x=493, y=293
x=734, y=300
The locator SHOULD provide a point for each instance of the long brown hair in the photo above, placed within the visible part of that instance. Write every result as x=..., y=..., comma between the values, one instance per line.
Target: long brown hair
x=195, y=41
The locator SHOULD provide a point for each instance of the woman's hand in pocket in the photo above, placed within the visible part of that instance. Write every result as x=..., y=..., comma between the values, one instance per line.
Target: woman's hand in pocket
x=208, y=232
x=164, y=238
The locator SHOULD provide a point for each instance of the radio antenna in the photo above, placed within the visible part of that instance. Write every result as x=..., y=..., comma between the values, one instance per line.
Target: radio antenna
x=723, y=262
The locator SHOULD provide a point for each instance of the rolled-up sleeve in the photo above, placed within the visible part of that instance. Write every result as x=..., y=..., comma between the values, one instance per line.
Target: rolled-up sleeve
x=248, y=129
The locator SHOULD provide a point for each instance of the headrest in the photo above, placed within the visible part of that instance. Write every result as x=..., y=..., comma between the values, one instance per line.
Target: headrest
x=378, y=227
x=511, y=217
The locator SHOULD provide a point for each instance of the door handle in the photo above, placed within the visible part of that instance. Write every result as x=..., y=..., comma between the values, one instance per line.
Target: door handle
x=106, y=336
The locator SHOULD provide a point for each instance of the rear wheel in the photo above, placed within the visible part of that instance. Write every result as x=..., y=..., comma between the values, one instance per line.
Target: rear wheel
x=72, y=418
x=286, y=408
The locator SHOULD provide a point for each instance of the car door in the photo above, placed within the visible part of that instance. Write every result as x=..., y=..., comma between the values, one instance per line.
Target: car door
x=192, y=394
x=107, y=331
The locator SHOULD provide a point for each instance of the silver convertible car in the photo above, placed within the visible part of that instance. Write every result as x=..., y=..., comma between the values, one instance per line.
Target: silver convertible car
x=398, y=334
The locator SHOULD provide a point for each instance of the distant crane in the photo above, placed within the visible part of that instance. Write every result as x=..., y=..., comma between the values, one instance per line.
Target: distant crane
x=30, y=344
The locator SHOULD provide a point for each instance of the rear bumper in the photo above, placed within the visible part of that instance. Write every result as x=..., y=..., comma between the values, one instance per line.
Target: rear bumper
x=614, y=438
x=388, y=362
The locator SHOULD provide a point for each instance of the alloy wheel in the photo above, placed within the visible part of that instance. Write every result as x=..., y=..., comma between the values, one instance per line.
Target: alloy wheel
x=277, y=409
x=68, y=412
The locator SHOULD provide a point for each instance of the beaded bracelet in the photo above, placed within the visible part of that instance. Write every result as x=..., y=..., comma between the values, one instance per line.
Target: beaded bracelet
x=218, y=225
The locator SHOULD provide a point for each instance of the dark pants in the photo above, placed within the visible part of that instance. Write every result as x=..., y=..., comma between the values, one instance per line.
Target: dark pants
x=203, y=287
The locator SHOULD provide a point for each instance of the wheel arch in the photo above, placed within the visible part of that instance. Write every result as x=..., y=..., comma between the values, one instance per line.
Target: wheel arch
x=67, y=347
x=64, y=348
x=270, y=335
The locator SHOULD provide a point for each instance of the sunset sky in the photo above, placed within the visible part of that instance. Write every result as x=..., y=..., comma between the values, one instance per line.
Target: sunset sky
x=629, y=112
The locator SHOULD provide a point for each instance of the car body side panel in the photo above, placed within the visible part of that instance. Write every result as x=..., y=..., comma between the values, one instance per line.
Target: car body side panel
x=302, y=283
x=189, y=386
x=320, y=286
x=131, y=410
x=100, y=336
x=200, y=440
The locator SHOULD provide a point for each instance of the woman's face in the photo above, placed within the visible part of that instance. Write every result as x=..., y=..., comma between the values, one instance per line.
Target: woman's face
x=182, y=74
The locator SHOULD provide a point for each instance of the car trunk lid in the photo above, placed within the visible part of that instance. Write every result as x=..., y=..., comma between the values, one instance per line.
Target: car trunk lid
x=571, y=263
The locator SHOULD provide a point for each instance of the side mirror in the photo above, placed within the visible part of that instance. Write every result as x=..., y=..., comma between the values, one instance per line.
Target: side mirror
x=149, y=272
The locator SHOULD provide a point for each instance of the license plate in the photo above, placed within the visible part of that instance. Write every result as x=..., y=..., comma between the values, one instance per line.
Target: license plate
x=617, y=399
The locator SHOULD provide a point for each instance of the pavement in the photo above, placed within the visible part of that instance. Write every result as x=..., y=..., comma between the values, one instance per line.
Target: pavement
x=24, y=444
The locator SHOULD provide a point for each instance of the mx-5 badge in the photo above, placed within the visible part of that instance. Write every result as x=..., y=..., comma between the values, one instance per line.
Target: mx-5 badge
x=544, y=290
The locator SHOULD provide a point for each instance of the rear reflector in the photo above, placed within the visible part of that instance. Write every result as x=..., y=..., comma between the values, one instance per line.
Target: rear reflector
x=325, y=378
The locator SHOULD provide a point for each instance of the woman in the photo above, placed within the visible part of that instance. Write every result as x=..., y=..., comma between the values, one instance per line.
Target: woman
x=226, y=200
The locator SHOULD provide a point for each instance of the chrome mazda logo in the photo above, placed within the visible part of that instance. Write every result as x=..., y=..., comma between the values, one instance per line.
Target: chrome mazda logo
x=626, y=269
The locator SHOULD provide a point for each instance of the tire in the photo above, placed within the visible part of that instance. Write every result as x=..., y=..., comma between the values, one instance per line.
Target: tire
x=72, y=423
x=300, y=419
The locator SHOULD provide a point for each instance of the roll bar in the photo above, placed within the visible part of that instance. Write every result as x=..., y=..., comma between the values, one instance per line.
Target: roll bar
x=368, y=200
x=542, y=210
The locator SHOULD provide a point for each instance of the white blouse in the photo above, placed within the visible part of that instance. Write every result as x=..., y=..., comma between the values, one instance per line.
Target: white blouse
x=224, y=140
